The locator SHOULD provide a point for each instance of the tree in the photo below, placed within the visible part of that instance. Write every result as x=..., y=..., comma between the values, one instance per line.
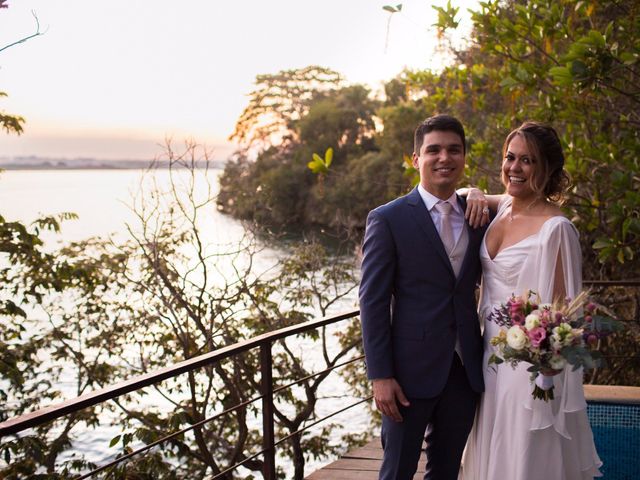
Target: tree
x=112, y=310
x=574, y=65
x=276, y=189
x=278, y=100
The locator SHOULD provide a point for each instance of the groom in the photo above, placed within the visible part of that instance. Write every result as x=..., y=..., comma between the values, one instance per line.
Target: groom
x=420, y=328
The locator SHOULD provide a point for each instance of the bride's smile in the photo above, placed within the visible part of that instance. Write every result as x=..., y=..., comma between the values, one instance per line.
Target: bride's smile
x=518, y=169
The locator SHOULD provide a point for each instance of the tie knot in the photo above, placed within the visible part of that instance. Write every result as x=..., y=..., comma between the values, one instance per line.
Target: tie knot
x=444, y=208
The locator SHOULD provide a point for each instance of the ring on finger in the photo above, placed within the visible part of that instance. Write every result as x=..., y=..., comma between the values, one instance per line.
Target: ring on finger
x=485, y=211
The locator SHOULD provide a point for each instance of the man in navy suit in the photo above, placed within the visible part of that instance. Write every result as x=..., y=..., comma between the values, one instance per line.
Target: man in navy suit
x=420, y=328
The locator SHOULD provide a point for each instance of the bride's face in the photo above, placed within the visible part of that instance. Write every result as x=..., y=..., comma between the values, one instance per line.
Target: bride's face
x=518, y=169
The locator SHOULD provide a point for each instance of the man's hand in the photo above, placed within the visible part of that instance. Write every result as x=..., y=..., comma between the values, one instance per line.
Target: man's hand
x=387, y=394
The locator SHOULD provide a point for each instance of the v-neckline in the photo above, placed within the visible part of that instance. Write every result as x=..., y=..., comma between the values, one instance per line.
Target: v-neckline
x=486, y=234
x=484, y=241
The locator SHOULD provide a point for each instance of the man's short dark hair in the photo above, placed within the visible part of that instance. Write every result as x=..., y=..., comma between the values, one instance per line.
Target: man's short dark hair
x=445, y=123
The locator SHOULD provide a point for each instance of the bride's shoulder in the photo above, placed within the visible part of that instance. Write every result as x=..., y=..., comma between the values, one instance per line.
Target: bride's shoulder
x=556, y=221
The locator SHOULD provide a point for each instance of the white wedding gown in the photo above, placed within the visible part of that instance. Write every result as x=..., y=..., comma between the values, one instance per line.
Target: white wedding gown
x=514, y=436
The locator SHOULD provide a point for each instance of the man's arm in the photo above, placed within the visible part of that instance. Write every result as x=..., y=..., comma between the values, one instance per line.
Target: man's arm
x=376, y=290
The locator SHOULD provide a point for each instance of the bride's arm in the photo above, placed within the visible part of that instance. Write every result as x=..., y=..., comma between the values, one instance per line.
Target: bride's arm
x=559, y=288
x=477, y=201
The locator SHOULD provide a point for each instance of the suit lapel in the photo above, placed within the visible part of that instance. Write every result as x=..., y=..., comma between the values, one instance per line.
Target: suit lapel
x=423, y=218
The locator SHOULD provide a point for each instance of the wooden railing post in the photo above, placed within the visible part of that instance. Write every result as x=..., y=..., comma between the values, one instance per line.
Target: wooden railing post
x=268, y=433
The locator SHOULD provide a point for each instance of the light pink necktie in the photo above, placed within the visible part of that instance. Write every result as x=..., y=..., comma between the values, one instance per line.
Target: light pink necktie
x=446, y=229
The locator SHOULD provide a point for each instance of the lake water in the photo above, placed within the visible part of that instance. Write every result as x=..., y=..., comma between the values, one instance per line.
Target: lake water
x=103, y=199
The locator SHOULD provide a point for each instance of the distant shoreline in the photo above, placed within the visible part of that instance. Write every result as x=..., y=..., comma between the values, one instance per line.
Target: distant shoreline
x=89, y=164
x=72, y=167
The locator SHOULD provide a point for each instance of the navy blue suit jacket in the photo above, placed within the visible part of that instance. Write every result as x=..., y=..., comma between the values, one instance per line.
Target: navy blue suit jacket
x=411, y=304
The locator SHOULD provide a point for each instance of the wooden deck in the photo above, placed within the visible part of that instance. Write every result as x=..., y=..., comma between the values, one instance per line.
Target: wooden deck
x=360, y=464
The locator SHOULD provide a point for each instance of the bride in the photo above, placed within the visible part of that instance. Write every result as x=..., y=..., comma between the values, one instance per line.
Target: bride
x=529, y=245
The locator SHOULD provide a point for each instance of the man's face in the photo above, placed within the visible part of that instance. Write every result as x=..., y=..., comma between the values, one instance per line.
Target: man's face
x=440, y=162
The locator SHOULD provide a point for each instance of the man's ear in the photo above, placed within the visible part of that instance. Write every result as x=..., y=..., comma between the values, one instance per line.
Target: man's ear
x=415, y=162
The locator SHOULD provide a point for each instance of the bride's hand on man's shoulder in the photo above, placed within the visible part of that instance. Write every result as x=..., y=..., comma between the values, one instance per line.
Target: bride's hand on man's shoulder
x=477, y=212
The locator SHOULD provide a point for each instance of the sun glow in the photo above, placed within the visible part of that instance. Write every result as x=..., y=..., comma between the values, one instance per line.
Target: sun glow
x=136, y=72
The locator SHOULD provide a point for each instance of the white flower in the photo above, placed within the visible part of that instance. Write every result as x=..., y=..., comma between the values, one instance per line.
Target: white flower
x=532, y=321
x=557, y=362
x=516, y=338
x=563, y=336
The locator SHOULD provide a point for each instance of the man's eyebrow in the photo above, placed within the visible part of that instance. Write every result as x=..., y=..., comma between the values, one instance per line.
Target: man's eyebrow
x=438, y=145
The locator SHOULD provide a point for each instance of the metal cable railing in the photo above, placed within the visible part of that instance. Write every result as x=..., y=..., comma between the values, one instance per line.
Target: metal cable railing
x=230, y=410
x=267, y=392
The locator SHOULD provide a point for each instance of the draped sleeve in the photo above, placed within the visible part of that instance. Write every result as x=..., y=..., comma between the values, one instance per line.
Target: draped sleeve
x=558, y=240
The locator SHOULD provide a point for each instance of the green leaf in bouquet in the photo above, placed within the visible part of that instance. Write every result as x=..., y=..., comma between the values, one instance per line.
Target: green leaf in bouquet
x=495, y=359
x=578, y=356
x=533, y=369
x=570, y=354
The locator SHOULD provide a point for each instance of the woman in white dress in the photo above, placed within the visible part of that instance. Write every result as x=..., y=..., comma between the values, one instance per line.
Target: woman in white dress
x=529, y=245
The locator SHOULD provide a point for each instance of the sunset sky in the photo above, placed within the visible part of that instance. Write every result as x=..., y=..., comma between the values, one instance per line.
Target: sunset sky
x=112, y=79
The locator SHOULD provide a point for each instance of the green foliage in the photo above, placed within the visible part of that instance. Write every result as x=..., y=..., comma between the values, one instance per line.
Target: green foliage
x=446, y=17
x=392, y=9
x=319, y=164
x=570, y=63
x=10, y=123
x=279, y=100
x=277, y=189
x=582, y=78
x=97, y=312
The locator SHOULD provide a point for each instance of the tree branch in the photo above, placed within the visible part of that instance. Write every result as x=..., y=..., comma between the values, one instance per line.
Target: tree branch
x=22, y=40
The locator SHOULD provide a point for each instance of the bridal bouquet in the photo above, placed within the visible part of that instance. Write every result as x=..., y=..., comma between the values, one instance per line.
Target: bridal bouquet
x=549, y=336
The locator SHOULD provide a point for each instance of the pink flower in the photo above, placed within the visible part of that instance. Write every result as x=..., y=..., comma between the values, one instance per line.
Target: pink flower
x=517, y=318
x=516, y=305
x=537, y=335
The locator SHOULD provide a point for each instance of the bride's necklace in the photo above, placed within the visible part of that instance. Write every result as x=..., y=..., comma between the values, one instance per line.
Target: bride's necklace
x=526, y=209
